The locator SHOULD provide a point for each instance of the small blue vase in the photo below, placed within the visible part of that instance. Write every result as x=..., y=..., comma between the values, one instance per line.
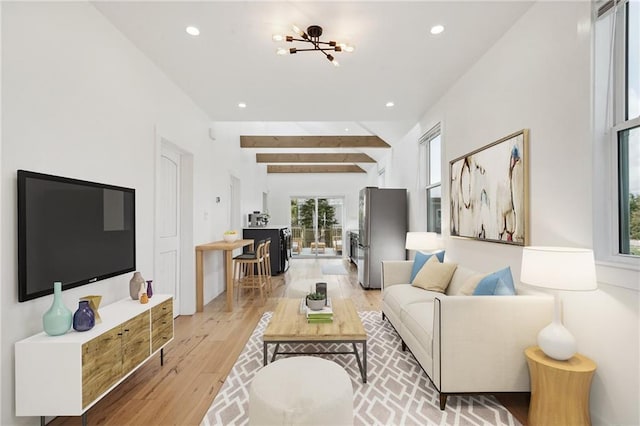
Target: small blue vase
x=57, y=320
x=84, y=319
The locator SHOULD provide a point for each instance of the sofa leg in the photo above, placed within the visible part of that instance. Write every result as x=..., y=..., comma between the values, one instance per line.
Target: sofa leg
x=443, y=401
x=383, y=317
x=403, y=346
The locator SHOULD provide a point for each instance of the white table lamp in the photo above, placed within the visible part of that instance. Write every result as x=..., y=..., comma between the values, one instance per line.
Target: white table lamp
x=558, y=268
x=423, y=241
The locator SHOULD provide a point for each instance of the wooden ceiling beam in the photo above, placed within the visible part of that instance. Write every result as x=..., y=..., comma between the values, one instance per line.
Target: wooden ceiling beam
x=312, y=142
x=314, y=158
x=315, y=168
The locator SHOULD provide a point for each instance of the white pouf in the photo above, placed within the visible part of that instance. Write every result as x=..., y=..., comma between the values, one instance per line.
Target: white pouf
x=300, y=288
x=301, y=390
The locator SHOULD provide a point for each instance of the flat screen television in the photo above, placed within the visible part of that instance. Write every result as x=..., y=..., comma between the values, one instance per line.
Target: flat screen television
x=72, y=231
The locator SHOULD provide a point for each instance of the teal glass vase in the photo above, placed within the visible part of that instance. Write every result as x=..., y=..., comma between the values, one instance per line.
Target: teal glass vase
x=58, y=319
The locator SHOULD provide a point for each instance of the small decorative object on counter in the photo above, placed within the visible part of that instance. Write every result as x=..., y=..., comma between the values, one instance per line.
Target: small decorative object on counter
x=134, y=285
x=230, y=236
x=83, y=319
x=149, y=289
x=322, y=289
x=94, y=304
x=57, y=320
x=142, y=289
x=143, y=298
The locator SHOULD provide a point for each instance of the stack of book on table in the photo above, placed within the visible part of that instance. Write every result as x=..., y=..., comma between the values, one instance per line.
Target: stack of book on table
x=323, y=315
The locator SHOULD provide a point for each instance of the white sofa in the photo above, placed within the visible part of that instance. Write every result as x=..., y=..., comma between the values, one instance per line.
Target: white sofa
x=465, y=343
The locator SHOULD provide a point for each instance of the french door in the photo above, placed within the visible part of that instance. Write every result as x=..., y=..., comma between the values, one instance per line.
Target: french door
x=316, y=226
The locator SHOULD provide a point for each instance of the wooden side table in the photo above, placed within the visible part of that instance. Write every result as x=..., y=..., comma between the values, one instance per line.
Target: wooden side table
x=559, y=389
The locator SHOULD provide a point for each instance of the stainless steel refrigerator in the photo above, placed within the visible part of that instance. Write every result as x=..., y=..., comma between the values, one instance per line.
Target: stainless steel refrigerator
x=382, y=231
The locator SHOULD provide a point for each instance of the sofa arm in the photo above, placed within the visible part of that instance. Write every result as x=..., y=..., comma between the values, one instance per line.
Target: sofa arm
x=396, y=272
x=479, y=341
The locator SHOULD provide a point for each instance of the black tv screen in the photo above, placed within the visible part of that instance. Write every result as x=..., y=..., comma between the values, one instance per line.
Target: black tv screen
x=72, y=231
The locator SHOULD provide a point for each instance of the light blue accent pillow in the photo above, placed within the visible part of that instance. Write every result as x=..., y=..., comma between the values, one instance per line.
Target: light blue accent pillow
x=499, y=283
x=421, y=259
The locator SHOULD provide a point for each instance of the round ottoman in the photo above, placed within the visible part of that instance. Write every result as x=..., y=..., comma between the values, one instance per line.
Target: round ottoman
x=300, y=288
x=301, y=390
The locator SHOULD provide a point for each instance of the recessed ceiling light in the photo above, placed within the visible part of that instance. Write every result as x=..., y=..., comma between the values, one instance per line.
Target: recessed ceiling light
x=346, y=129
x=193, y=31
x=389, y=104
x=437, y=29
x=242, y=105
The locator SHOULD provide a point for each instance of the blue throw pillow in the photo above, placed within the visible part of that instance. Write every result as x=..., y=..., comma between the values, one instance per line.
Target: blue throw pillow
x=499, y=283
x=421, y=259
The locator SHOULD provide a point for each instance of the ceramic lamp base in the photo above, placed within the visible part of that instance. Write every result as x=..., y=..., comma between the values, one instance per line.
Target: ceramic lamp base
x=557, y=342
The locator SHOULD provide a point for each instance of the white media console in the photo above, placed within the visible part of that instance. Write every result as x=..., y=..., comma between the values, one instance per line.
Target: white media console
x=66, y=375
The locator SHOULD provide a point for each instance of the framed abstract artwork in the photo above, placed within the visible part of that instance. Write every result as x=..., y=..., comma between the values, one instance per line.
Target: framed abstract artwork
x=489, y=192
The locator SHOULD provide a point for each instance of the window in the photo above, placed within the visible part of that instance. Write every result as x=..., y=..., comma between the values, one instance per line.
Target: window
x=629, y=190
x=618, y=64
x=629, y=138
x=434, y=178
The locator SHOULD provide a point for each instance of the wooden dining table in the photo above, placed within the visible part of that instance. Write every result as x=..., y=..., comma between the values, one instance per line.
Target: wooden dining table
x=228, y=249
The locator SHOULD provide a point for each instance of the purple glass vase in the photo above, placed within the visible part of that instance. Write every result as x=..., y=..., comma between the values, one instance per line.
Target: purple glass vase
x=84, y=319
x=149, y=289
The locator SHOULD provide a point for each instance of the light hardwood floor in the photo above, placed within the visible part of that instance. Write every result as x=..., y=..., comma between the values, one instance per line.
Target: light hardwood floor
x=204, y=349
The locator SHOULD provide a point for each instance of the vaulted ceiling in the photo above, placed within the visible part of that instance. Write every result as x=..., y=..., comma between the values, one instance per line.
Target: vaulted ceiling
x=396, y=58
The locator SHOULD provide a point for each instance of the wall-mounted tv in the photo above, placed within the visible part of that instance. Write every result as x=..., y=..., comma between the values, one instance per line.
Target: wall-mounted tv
x=72, y=231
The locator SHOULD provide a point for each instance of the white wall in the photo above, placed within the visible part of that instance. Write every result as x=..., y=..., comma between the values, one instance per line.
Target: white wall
x=538, y=76
x=228, y=160
x=282, y=186
x=2, y=235
x=80, y=100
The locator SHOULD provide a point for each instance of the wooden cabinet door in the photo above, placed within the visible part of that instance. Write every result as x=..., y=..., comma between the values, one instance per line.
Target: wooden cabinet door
x=161, y=324
x=101, y=364
x=136, y=346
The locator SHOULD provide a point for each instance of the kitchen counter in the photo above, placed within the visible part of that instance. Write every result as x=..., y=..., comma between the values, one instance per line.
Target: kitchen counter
x=267, y=227
x=279, y=250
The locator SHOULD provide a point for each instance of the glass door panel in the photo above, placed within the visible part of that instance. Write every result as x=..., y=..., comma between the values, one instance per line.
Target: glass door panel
x=316, y=226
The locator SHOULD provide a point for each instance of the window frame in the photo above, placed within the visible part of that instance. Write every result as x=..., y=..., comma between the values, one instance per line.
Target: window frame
x=607, y=128
x=426, y=139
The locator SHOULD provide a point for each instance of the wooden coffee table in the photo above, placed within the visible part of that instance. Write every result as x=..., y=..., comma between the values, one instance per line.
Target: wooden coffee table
x=288, y=325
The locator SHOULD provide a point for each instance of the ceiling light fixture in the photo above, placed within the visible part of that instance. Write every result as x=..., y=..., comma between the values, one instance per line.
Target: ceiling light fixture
x=389, y=104
x=437, y=29
x=193, y=31
x=242, y=105
x=312, y=36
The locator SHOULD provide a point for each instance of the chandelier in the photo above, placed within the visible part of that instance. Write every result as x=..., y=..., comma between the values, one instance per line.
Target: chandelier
x=312, y=37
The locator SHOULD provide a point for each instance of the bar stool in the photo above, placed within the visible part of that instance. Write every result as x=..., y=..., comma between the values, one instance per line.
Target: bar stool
x=249, y=271
x=267, y=264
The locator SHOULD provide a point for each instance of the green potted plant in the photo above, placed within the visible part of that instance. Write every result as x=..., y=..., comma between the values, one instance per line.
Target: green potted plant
x=315, y=301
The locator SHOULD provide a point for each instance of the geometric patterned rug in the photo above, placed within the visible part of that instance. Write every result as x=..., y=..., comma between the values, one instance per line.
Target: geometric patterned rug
x=397, y=391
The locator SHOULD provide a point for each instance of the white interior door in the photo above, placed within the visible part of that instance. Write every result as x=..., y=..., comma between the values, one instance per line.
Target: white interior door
x=169, y=227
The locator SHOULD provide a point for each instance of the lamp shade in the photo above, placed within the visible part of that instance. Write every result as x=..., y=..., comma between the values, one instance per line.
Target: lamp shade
x=423, y=241
x=559, y=268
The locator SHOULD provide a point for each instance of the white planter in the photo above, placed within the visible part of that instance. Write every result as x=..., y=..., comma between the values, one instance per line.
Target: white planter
x=315, y=305
x=229, y=237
